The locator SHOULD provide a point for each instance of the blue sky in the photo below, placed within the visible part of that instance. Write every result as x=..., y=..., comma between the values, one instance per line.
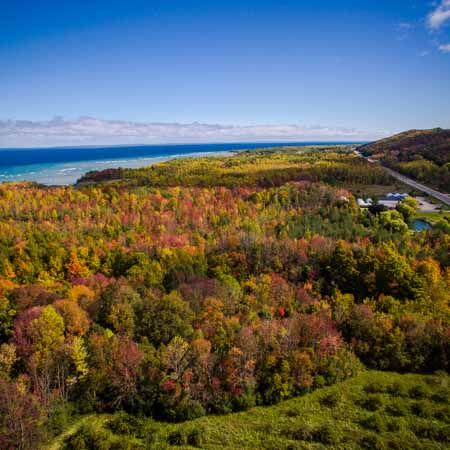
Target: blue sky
x=372, y=66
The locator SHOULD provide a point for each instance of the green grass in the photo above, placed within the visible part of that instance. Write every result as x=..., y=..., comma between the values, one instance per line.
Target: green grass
x=432, y=217
x=376, y=190
x=375, y=410
x=96, y=420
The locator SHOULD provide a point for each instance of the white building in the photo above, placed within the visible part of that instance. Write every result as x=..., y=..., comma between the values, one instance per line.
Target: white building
x=396, y=196
x=364, y=203
x=390, y=204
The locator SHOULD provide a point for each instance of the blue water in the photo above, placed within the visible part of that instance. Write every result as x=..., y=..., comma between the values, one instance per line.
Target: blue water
x=421, y=225
x=62, y=166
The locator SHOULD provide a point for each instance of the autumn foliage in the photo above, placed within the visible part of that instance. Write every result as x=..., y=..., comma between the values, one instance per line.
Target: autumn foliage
x=175, y=301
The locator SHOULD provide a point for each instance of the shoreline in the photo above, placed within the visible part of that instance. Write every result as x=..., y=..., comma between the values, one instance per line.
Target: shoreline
x=68, y=173
x=65, y=172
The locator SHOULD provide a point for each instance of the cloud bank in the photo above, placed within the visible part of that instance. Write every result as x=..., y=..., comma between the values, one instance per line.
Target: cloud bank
x=440, y=15
x=92, y=131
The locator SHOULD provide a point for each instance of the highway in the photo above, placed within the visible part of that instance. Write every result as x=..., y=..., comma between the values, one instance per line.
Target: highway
x=444, y=198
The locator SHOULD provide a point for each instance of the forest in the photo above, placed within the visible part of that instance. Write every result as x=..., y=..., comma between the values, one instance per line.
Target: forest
x=420, y=154
x=210, y=286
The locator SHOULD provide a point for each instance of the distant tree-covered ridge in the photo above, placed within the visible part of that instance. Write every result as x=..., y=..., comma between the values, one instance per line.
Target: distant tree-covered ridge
x=420, y=154
x=208, y=286
x=263, y=168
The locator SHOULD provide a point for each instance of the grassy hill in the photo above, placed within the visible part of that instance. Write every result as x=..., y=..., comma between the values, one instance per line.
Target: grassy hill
x=420, y=154
x=374, y=410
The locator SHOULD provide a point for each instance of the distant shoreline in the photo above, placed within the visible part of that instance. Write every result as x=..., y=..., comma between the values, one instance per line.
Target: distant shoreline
x=10, y=157
x=198, y=144
x=64, y=166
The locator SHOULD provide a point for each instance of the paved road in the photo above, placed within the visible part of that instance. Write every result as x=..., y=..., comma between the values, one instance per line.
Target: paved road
x=444, y=198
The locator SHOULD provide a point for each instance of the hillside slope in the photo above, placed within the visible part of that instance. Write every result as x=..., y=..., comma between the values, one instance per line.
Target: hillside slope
x=433, y=145
x=420, y=154
x=374, y=410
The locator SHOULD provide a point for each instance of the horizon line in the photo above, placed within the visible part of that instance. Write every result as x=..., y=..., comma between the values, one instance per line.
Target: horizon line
x=180, y=144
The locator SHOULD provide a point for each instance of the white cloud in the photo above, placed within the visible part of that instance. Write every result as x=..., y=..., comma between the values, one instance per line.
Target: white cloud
x=444, y=48
x=440, y=15
x=424, y=53
x=92, y=131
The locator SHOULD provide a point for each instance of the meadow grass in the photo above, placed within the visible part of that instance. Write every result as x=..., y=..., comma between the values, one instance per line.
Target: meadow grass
x=376, y=410
x=377, y=190
x=432, y=217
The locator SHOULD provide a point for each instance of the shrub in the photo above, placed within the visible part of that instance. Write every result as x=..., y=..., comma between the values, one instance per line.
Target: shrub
x=127, y=444
x=244, y=402
x=443, y=414
x=418, y=391
x=123, y=423
x=177, y=437
x=400, y=443
x=393, y=425
x=196, y=437
x=373, y=402
x=221, y=405
x=60, y=418
x=89, y=438
x=422, y=409
x=319, y=381
x=187, y=410
x=375, y=422
x=292, y=412
x=398, y=409
x=75, y=442
x=146, y=430
x=330, y=400
x=442, y=395
x=433, y=431
x=325, y=434
x=305, y=433
x=373, y=442
x=293, y=446
x=397, y=389
x=375, y=388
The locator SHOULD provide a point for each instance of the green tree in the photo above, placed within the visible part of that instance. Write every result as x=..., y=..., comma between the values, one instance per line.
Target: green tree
x=408, y=208
x=118, y=304
x=48, y=335
x=166, y=317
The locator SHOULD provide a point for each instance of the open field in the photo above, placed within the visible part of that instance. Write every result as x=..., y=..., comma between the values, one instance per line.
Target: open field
x=374, y=410
x=378, y=190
